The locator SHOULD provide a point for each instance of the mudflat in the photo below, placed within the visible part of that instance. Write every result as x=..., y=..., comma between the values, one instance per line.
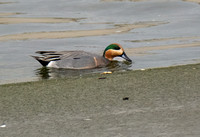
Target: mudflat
x=154, y=102
x=122, y=28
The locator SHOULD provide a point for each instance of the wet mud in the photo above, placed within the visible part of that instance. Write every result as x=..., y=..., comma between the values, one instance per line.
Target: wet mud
x=6, y=2
x=122, y=28
x=9, y=14
x=12, y=20
x=196, y=1
x=122, y=0
x=145, y=50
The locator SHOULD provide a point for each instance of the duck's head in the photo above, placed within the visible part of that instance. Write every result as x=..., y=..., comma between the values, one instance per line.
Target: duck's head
x=115, y=50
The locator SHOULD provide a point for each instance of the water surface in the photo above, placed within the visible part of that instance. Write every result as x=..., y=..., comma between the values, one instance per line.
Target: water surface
x=153, y=33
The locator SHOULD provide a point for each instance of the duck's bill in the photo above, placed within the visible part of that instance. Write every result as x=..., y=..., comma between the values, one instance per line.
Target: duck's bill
x=124, y=56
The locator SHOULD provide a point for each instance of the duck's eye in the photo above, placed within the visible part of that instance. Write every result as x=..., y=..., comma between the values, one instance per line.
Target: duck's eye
x=117, y=48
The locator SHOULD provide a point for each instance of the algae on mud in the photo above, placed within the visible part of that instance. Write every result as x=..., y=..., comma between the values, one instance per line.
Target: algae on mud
x=161, y=102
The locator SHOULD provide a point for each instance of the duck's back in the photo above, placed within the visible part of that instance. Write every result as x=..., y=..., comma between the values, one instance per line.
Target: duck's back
x=73, y=59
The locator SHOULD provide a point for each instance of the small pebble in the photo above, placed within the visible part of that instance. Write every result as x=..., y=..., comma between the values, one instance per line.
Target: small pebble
x=4, y=125
x=87, y=119
x=126, y=98
x=77, y=58
x=118, y=31
x=102, y=78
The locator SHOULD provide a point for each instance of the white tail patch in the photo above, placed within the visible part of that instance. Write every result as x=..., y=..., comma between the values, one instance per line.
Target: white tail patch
x=52, y=64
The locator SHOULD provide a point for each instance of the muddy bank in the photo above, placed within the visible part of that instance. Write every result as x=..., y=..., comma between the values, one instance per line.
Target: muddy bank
x=9, y=14
x=122, y=28
x=144, y=50
x=122, y=0
x=166, y=39
x=12, y=20
x=6, y=2
x=154, y=102
x=196, y=1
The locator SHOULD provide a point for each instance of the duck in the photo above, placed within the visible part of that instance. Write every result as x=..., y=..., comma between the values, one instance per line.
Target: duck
x=81, y=59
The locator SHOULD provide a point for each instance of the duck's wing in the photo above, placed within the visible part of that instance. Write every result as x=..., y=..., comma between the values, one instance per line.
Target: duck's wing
x=78, y=60
x=47, y=56
x=70, y=59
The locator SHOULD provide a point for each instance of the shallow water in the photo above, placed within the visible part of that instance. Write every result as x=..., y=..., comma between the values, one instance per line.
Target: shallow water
x=173, y=37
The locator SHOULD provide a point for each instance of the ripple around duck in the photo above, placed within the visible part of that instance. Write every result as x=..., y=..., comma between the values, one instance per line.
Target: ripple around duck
x=121, y=28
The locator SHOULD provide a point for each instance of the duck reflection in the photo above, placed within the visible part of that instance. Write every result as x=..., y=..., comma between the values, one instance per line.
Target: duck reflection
x=43, y=73
x=47, y=73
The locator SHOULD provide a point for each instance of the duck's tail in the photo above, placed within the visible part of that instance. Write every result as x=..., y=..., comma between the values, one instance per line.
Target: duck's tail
x=41, y=60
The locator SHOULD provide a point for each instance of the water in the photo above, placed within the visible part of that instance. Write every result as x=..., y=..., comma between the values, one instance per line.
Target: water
x=180, y=25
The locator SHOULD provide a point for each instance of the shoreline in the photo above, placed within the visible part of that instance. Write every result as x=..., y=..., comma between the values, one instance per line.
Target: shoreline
x=98, y=73
x=118, y=103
